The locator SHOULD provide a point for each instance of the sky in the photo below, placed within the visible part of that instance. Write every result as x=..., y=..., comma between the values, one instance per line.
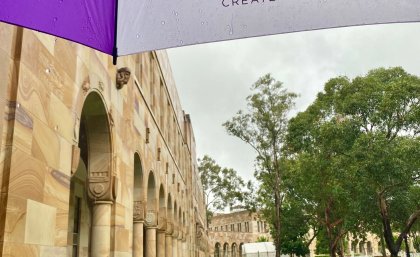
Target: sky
x=213, y=80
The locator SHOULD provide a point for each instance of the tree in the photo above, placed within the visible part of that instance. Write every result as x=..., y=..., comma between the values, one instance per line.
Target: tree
x=263, y=128
x=382, y=149
x=316, y=141
x=222, y=186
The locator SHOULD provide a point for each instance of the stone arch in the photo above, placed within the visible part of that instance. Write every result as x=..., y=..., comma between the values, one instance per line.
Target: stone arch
x=169, y=209
x=234, y=250
x=174, y=215
x=217, y=250
x=240, y=249
x=226, y=250
x=92, y=189
x=138, y=207
x=96, y=148
x=369, y=248
x=138, y=190
x=362, y=248
x=162, y=207
x=151, y=201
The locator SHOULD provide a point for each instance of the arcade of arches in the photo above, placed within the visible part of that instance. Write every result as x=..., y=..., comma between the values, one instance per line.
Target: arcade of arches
x=89, y=169
x=228, y=232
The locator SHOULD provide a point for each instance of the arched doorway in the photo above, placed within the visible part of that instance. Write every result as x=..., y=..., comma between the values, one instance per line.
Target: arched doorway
x=217, y=250
x=91, y=185
x=80, y=219
x=160, y=244
x=151, y=218
x=234, y=250
x=226, y=250
x=240, y=249
x=169, y=230
x=176, y=231
x=138, y=208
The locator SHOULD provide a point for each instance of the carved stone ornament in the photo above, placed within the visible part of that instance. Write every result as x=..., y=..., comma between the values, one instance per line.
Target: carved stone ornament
x=138, y=211
x=162, y=223
x=86, y=85
x=100, y=189
x=175, y=231
x=150, y=219
x=199, y=231
x=123, y=76
x=169, y=228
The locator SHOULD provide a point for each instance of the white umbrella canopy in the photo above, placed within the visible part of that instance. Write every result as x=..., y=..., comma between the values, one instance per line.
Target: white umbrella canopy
x=122, y=27
x=262, y=249
x=158, y=24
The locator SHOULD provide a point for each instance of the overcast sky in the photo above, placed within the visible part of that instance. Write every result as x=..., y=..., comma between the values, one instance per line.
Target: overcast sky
x=213, y=80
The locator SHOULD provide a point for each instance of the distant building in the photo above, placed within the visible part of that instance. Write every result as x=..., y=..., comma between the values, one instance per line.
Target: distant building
x=227, y=232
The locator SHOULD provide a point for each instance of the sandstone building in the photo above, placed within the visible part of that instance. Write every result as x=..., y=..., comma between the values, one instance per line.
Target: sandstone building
x=228, y=232
x=89, y=166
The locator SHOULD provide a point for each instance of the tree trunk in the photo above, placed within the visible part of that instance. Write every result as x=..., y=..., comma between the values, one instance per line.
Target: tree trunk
x=277, y=224
x=383, y=247
x=407, y=247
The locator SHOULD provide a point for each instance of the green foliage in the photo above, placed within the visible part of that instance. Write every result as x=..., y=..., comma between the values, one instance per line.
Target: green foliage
x=263, y=127
x=322, y=243
x=357, y=147
x=262, y=239
x=222, y=186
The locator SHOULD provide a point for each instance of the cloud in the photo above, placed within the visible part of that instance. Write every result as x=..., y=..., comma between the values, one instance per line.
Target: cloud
x=213, y=80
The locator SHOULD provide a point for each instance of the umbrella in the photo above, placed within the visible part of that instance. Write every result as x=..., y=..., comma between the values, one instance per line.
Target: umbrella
x=122, y=27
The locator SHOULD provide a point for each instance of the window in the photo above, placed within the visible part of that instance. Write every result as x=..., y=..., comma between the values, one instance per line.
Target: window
x=76, y=226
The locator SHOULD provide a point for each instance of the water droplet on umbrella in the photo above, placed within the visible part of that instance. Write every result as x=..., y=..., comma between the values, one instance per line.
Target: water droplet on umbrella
x=182, y=42
x=163, y=22
x=202, y=23
x=176, y=13
x=55, y=19
x=231, y=32
x=138, y=36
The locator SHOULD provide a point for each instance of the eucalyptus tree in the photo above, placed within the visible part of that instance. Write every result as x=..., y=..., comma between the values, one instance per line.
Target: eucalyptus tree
x=379, y=155
x=222, y=186
x=263, y=126
x=317, y=142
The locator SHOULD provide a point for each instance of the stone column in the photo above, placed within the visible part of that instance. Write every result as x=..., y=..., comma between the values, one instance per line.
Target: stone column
x=168, y=239
x=101, y=229
x=151, y=241
x=151, y=229
x=168, y=245
x=179, y=243
x=138, y=229
x=161, y=243
x=175, y=242
x=138, y=239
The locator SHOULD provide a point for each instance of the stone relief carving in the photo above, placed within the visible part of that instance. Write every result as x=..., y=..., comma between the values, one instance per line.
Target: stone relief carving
x=150, y=219
x=169, y=228
x=123, y=76
x=101, y=188
x=138, y=211
x=199, y=231
x=162, y=223
x=86, y=85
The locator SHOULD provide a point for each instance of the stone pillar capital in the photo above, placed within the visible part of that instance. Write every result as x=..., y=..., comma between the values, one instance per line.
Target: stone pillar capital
x=138, y=211
x=162, y=224
x=169, y=228
x=102, y=187
x=150, y=219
